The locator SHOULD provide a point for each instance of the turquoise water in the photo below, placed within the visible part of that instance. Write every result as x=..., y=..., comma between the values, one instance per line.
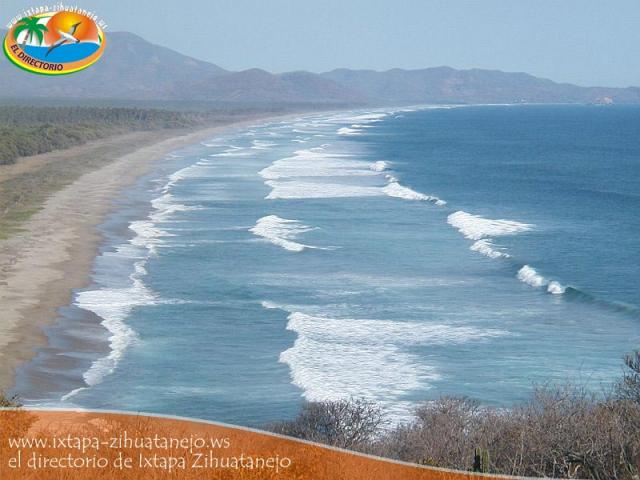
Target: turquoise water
x=393, y=255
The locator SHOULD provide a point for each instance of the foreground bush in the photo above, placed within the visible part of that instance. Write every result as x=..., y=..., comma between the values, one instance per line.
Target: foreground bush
x=562, y=432
x=9, y=402
x=351, y=424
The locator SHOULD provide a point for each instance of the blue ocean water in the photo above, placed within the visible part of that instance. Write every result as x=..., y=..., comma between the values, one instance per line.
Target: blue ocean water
x=396, y=255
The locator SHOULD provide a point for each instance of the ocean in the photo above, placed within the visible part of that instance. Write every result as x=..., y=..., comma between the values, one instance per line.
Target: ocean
x=396, y=255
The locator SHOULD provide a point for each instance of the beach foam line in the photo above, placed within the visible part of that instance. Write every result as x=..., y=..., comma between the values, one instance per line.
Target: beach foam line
x=281, y=232
x=147, y=235
x=113, y=306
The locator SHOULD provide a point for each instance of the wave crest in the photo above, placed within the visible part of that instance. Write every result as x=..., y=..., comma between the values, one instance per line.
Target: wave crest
x=281, y=232
x=476, y=227
x=394, y=189
x=531, y=277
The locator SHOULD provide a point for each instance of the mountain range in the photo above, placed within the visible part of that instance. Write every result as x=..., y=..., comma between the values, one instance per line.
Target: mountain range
x=132, y=68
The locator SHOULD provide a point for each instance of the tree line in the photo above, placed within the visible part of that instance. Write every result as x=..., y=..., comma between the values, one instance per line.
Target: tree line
x=28, y=130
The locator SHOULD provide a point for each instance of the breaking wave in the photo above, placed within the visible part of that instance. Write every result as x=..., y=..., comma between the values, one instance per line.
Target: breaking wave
x=531, y=277
x=281, y=232
x=335, y=358
x=476, y=227
x=480, y=229
x=394, y=189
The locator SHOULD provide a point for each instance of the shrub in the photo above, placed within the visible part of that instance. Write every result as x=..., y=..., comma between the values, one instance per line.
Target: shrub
x=343, y=423
x=562, y=431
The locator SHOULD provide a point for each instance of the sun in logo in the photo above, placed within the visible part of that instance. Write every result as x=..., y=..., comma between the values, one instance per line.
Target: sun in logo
x=69, y=27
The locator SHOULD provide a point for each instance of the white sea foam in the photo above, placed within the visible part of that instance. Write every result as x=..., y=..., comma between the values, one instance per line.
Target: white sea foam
x=176, y=177
x=281, y=232
x=262, y=145
x=379, y=166
x=476, y=227
x=531, y=277
x=356, y=122
x=487, y=248
x=232, y=151
x=270, y=305
x=294, y=189
x=370, y=117
x=316, y=162
x=113, y=305
x=480, y=229
x=337, y=358
x=349, y=131
x=166, y=205
x=394, y=189
x=555, y=288
x=148, y=235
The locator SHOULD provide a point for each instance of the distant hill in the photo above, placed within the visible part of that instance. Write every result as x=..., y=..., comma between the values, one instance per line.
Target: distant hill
x=132, y=68
x=448, y=85
x=258, y=86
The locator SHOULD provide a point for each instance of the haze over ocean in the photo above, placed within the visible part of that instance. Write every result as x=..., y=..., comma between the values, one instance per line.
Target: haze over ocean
x=396, y=254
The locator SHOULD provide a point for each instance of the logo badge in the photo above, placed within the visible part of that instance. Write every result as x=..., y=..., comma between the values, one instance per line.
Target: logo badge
x=54, y=43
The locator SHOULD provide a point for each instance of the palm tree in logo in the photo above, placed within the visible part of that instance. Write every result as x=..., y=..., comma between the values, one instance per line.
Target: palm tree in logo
x=32, y=27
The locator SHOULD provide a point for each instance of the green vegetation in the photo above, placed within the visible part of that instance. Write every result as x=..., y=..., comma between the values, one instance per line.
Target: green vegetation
x=561, y=432
x=26, y=131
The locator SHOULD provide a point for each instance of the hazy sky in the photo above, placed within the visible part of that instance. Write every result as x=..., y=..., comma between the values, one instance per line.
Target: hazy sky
x=588, y=42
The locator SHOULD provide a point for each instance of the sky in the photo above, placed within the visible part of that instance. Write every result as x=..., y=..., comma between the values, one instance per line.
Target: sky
x=586, y=42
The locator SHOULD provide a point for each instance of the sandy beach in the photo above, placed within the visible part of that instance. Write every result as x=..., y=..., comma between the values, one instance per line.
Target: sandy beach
x=52, y=254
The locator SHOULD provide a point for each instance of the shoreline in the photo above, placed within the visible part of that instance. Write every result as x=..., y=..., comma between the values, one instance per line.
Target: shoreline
x=53, y=254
